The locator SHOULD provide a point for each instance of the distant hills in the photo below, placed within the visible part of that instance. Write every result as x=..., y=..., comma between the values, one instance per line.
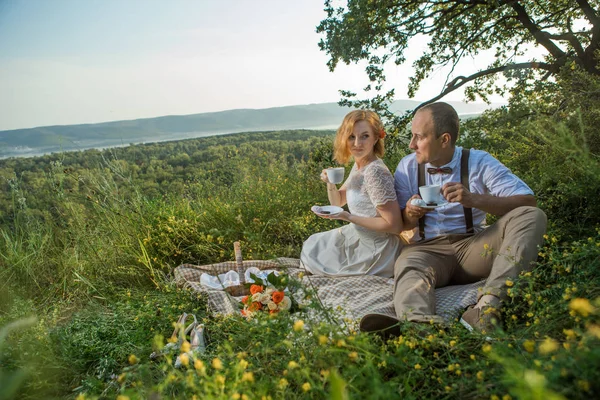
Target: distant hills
x=48, y=139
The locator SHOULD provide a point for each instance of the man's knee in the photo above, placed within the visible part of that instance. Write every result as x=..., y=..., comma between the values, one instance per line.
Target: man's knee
x=530, y=212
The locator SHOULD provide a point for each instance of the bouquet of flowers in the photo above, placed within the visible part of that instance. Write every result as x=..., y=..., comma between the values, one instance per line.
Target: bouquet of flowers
x=266, y=296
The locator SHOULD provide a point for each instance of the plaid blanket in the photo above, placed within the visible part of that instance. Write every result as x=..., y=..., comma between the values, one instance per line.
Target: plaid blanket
x=355, y=296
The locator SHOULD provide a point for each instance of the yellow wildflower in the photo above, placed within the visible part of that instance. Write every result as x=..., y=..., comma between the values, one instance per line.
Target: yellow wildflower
x=529, y=345
x=506, y=397
x=549, y=345
x=472, y=357
x=133, y=359
x=452, y=343
x=306, y=386
x=584, y=385
x=185, y=359
x=480, y=375
x=353, y=355
x=199, y=366
x=417, y=366
x=248, y=377
x=122, y=397
x=581, y=306
x=217, y=364
x=283, y=383
x=293, y=364
x=185, y=347
x=486, y=348
x=594, y=330
x=322, y=339
x=509, y=283
x=243, y=364
x=298, y=325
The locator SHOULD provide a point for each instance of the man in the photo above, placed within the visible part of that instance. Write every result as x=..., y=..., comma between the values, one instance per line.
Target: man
x=451, y=244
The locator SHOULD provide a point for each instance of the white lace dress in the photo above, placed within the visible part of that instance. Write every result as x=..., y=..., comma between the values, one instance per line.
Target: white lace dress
x=352, y=249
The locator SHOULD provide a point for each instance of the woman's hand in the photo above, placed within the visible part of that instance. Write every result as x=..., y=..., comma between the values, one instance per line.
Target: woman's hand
x=344, y=216
x=324, y=177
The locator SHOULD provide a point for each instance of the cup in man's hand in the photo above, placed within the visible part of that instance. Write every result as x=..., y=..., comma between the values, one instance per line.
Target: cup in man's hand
x=335, y=175
x=431, y=194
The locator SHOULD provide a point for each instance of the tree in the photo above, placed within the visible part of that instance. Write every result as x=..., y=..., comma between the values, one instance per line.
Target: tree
x=379, y=31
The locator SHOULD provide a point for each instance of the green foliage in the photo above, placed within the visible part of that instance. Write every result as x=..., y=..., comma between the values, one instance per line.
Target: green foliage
x=11, y=381
x=380, y=32
x=551, y=142
x=92, y=251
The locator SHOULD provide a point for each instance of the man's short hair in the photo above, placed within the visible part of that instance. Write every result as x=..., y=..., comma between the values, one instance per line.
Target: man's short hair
x=445, y=119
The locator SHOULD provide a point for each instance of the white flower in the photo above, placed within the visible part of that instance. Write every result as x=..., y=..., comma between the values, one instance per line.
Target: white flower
x=285, y=304
x=265, y=298
x=256, y=296
x=272, y=305
x=269, y=290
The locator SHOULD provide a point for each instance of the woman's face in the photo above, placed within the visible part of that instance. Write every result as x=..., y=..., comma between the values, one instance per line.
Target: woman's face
x=362, y=140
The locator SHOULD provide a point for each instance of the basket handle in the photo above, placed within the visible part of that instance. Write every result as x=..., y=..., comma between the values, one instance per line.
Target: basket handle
x=238, y=260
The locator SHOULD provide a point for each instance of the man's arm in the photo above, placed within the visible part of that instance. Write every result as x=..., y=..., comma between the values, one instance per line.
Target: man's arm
x=455, y=192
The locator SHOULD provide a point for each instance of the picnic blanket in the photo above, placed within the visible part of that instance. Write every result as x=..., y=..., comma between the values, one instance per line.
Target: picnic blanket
x=354, y=295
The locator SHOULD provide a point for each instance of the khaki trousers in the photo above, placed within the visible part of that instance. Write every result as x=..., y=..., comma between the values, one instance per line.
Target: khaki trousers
x=497, y=253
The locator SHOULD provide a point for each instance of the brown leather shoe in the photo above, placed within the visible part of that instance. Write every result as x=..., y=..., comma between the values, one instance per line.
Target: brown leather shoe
x=380, y=324
x=485, y=320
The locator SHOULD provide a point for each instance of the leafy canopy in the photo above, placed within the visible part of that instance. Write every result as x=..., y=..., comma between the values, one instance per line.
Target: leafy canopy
x=378, y=31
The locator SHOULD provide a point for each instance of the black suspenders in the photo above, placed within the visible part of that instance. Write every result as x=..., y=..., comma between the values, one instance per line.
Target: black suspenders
x=464, y=179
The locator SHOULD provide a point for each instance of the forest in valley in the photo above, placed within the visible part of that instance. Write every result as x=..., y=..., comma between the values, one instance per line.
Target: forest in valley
x=89, y=240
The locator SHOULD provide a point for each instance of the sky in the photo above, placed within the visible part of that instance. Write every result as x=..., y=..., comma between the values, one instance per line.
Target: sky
x=86, y=61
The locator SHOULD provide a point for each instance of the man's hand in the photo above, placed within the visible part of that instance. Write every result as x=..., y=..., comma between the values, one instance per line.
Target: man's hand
x=455, y=192
x=415, y=212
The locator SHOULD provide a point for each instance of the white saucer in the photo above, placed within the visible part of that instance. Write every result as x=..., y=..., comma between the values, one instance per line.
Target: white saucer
x=421, y=203
x=326, y=210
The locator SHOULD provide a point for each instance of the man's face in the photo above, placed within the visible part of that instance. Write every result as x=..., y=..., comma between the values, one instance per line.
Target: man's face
x=427, y=147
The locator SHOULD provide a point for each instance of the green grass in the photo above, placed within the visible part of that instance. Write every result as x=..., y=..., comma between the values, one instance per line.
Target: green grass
x=95, y=269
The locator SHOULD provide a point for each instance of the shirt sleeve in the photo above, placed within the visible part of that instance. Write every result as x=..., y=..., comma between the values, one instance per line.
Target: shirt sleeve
x=379, y=184
x=499, y=180
x=402, y=183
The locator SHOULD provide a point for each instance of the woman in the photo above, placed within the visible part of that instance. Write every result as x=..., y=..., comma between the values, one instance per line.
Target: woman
x=370, y=243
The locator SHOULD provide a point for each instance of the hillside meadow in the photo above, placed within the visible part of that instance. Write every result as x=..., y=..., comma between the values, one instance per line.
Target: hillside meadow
x=89, y=240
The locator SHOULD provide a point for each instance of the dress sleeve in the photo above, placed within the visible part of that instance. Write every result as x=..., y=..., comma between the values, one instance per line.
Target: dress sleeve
x=379, y=184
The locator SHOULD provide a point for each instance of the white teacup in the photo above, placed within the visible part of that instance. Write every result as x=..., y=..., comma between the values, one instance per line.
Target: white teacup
x=431, y=194
x=335, y=175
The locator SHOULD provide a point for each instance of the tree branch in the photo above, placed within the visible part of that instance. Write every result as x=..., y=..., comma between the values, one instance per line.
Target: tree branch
x=461, y=80
x=540, y=36
x=589, y=12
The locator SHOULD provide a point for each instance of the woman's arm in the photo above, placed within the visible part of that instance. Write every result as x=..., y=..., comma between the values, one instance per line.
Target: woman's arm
x=389, y=221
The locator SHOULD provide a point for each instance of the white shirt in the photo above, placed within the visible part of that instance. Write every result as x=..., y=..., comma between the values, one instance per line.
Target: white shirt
x=486, y=176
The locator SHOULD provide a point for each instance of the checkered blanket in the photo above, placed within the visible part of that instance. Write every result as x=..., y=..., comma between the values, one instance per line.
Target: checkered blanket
x=354, y=295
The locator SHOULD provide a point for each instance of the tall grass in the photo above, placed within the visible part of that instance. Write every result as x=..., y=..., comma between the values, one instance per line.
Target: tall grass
x=95, y=267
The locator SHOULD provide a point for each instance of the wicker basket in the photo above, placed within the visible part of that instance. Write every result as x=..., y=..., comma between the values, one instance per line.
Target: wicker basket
x=238, y=290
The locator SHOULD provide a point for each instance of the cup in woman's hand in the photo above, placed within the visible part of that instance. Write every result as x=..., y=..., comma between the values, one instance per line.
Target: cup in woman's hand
x=431, y=194
x=335, y=175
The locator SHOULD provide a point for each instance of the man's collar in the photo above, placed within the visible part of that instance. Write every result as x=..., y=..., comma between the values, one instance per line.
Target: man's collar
x=454, y=163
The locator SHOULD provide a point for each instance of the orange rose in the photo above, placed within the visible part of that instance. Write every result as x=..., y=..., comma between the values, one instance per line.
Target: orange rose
x=255, y=306
x=256, y=289
x=277, y=297
x=244, y=299
x=273, y=311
